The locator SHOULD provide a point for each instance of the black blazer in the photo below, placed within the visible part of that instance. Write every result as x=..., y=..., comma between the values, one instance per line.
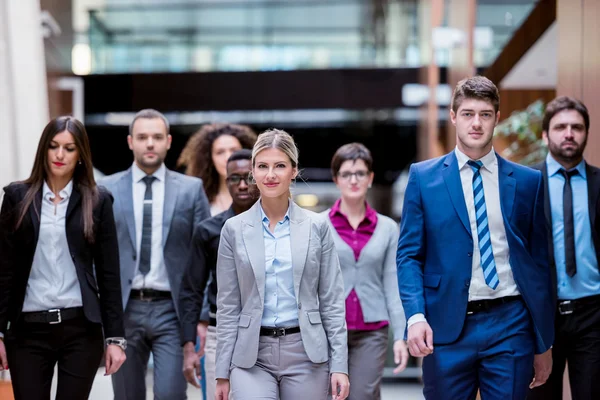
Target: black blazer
x=201, y=265
x=100, y=285
x=593, y=185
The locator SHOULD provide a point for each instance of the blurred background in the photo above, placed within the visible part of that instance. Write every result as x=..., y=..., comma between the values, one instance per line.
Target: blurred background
x=329, y=72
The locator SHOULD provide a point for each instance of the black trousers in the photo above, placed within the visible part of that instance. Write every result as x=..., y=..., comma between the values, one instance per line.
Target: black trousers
x=578, y=344
x=34, y=349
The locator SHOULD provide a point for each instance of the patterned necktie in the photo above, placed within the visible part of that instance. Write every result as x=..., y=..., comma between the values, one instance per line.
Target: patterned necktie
x=488, y=265
x=569, y=224
x=146, y=245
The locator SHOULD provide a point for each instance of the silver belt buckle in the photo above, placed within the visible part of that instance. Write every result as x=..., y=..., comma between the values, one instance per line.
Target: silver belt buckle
x=280, y=332
x=57, y=311
x=562, y=311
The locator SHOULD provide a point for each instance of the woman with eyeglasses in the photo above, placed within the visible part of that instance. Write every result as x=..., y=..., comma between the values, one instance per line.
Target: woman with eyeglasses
x=60, y=286
x=281, y=332
x=366, y=245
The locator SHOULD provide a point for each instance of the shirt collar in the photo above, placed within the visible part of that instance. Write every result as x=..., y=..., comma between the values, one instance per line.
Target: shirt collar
x=554, y=166
x=138, y=174
x=265, y=219
x=65, y=193
x=490, y=162
x=370, y=213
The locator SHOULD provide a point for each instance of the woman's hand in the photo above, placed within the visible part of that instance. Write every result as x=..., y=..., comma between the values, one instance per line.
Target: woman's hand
x=340, y=386
x=114, y=358
x=3, y=358
x=222, y=391
x=400, y=356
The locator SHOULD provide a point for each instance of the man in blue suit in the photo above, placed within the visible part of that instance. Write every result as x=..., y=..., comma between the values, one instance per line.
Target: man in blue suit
x=472, y=263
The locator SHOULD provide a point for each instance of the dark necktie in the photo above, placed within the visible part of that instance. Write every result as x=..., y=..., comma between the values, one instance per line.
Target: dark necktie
x=569, y=230
x=146, y=245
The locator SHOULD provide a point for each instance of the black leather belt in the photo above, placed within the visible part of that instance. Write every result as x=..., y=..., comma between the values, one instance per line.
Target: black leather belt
x=149, y=294
x=566, y=307
x=278, y=332
x=55, y=316
x=485, y=305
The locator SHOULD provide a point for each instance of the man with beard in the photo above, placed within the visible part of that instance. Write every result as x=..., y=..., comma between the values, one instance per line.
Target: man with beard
x=573, y=217
x=203, y=263
x=156, y=211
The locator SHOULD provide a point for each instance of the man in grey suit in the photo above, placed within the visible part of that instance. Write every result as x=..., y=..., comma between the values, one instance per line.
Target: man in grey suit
x=156, y=211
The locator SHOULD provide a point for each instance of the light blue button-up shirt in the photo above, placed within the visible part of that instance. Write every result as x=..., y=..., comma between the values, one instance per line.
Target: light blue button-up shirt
x=280, y=301
x=586, y=282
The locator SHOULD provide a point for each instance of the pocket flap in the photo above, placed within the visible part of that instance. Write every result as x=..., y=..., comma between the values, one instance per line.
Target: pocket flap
x=314, y=317
x=244, y=321
x=431, y=281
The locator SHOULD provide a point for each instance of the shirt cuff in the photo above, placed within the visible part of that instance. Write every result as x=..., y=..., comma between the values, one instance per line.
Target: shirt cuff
x=414, y=319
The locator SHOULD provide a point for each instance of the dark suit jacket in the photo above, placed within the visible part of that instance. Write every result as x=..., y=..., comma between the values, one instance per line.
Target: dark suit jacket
x=97, y=264
x=202, y=263
x=593, y=184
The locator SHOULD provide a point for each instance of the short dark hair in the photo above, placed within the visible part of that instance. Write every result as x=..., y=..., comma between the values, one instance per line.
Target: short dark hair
x=149, y=113
x=351, y=151
x=476, y=87
x=243, y=154
x=565, y=103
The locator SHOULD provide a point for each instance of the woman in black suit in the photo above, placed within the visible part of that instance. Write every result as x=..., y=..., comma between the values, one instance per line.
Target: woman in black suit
x=60, y=290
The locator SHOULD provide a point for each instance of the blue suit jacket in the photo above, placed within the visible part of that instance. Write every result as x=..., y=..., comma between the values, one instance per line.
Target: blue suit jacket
x=435, y=247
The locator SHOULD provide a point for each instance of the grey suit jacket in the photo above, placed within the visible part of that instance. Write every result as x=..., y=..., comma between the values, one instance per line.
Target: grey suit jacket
x=185, y=205
x=374, y=276
x=318, y=287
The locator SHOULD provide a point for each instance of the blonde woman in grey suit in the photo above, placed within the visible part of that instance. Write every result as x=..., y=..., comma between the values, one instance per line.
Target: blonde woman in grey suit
x=281, y=331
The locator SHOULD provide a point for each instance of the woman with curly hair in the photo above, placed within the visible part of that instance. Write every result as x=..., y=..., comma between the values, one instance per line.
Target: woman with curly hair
x=205, y=156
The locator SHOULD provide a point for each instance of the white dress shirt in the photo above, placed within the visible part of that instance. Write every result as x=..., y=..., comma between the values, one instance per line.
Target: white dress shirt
x=157, y=277
x=53, y=281
x=479, y=290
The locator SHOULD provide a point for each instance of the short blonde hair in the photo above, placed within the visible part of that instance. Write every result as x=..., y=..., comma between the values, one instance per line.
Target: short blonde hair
x=276, y=139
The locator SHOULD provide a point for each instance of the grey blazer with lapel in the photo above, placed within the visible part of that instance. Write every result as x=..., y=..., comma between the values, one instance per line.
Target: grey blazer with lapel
x=318, y=287
x=185, y=206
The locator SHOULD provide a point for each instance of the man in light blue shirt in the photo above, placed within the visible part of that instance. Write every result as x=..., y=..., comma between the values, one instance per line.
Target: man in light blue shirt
x=572, y=211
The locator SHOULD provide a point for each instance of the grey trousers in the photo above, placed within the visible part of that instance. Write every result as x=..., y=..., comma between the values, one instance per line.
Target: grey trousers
x=366, y=360
x=151, y=327
x=210, y=359
x=283, y=371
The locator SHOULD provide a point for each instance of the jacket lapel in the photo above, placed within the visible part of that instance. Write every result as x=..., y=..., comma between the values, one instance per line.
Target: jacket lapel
x=593, y=182
x=125, y=195
x=547, y=208
x=300, y=227
x=507, y=186
x=451, y=176
x=252, y=234
x=170, y=198
x=74, y=200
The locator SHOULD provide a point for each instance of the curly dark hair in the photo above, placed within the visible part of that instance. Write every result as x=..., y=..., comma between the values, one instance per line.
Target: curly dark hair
x=196, y=155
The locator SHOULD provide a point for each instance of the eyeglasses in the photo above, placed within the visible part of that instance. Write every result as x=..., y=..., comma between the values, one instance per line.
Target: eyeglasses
x=236, y=179
x=359, y=175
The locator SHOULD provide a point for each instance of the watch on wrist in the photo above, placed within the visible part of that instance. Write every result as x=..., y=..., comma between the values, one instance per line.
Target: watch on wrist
x=121, y=342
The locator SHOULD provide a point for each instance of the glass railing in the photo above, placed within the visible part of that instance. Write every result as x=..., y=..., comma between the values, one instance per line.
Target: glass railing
x=263, y=35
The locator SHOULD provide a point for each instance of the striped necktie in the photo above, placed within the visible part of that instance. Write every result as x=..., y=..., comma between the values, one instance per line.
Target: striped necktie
x=488, y=265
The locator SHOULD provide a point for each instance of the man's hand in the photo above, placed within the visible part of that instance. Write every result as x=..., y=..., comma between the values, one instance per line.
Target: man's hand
x=222, y=390
x=420, y=339
x=400, y=355
x=202, y=331
x=542, y=364
x=3, y=358
x=114, y=357
x=340, y=386
x=191, y=364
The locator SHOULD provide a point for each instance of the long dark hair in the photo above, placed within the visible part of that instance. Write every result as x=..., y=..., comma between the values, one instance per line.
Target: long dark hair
x=197, y=154
x=83, y=176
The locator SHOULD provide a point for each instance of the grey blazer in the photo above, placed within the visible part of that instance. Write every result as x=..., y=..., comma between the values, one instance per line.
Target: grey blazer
x=185, y=205
x=318, y=287
x=374, y=276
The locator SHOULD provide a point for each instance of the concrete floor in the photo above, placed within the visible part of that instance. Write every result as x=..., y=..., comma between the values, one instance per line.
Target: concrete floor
x=102, y=389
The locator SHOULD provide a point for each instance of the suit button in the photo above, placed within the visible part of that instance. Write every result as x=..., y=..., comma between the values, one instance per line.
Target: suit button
x=130, y=281
x=470, y=254
x=134, y=257
x=467, y=283
x=73, y=256
x=299, y=306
